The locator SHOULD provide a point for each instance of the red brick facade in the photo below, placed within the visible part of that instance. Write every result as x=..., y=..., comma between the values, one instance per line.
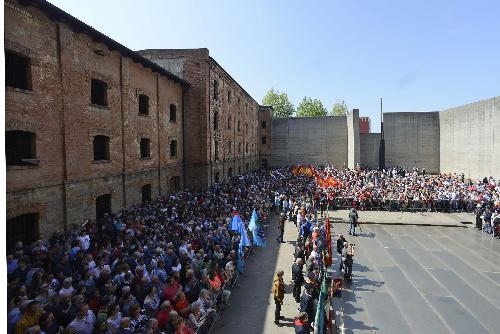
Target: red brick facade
x=222, y=126
x=265, y=120
x=64, y=58
x=364, y=125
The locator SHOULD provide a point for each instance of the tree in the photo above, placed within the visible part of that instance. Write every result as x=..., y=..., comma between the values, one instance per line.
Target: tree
x=280, y=103
x=339, y=109
x=311, y=107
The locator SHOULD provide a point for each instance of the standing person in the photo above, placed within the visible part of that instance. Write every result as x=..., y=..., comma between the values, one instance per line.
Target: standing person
x=278, y=294
x=281, y=227
x=478, y=212
x=298, y=278
x=301, y=324
x=353, y=219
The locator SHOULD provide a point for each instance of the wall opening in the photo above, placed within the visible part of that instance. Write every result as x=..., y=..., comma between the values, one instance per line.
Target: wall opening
x=173, y=113
x=230, y=172
x=145, y=148
x=173, y=148
x=146, y=193
x=143, y=105
x=17, y=70
x=102, y=206
x=264, y=140
x=216, y=90
x=175, y=184
x=216, y=144
x=20, y=148
x=229, y=121
x=98, y=93
x=101, y=148
x=263, y=125
x=216, y=120
x=217, y=177
x=23, y=228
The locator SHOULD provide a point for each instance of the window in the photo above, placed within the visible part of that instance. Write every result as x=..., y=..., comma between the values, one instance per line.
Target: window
x=216, y=150
x=145, y=149
x=175, y=184
x=216, y=90
x=246, y=128
x=173, y=148
x=217, y=177
x=239, y=125
x=228, y=96
x=99, y=93
x=173, y=113
x=22, y=228
x=102, y=206
x=216, y=120
x=20, y=148
x=230, y=172
x=230, y=147
x=239, y=169
x=263, y=124
x=143, y=105
x=146, y=193
x=101, y=148
x=229, y=121
x=264, y=140
x=17, y=70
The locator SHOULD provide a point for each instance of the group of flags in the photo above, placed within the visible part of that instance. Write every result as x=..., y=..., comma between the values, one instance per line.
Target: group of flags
x=322, y=180
x=255, y=227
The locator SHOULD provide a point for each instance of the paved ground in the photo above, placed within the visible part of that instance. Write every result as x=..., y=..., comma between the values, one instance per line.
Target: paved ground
x=407, y=279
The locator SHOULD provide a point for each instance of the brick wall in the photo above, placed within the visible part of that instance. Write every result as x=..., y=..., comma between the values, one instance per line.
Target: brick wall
x=265, y=118
x=58, y=110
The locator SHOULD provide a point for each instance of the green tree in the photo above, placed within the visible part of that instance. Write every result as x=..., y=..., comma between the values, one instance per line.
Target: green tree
x=280, y=103
x=311, y=107
x=339, y=109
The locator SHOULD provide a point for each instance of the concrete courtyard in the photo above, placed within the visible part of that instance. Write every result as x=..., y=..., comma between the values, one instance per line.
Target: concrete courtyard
x=408, y=277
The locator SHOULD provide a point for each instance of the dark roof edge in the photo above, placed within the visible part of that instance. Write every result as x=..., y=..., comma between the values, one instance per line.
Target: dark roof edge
x=230, y=77
x=57, y=14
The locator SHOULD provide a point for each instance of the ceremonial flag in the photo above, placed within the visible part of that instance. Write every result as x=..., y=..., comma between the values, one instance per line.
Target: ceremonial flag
x=241, y=262
x=236, y=222
x=319, y=319
x=244, y=240
x=257, y=230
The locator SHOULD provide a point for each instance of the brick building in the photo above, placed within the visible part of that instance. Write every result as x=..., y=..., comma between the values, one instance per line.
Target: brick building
x=91, y=126
x=265, y=121
x=222, y=128
x=364, y=125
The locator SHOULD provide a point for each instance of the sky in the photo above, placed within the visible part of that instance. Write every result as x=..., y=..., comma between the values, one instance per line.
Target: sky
x=421, y=55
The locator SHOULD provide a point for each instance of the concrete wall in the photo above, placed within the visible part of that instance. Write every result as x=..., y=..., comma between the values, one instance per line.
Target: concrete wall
x=470, y=144
x=412, y=140
x=353, y=139
x=309, y=140
x=369, y=145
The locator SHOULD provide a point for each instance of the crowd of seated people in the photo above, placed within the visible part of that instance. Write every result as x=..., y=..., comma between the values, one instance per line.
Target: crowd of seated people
x=162, y=267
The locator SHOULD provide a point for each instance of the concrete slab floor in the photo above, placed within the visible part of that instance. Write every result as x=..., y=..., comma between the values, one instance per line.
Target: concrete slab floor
x=408, y=278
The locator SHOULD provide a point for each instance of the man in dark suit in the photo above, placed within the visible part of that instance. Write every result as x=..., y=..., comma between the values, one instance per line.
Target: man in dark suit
x=298, y=278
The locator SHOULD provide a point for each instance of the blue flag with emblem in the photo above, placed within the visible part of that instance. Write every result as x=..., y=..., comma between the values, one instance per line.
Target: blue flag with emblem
x=257, y=230
x=236, y=223
x=241, y=262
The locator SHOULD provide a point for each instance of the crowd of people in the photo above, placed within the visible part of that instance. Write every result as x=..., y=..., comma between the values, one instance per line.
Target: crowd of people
x=167, y=266
x=162, y=267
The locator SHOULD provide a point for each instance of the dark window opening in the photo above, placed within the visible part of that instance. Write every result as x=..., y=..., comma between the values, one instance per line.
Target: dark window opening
x=229, y=96
x=22, y=228
x=239, y=148
x=239, y=125
x=217, y=177
x=216, y=120
x=230, y=146
x=175, y=184
x=229, y=121
x=230, y=172
x=17, y=70
x=216, y=150
x=101, y=148
x=239, y=169
x=173, y=148
x=143, y=104
x=99, y=93
x=246, y=128
x=102, y=206
x=264, y=140
x=145, y=148
x=173, y=113
x=263, y=124
x=20, y=148
x=146, y=193
x=216, y=90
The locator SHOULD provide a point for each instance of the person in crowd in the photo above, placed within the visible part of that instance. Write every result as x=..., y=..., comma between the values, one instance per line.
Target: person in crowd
x=281, y=228
x=278, y=294
x=301, y=324
x=353, y=220
x=297, y=278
